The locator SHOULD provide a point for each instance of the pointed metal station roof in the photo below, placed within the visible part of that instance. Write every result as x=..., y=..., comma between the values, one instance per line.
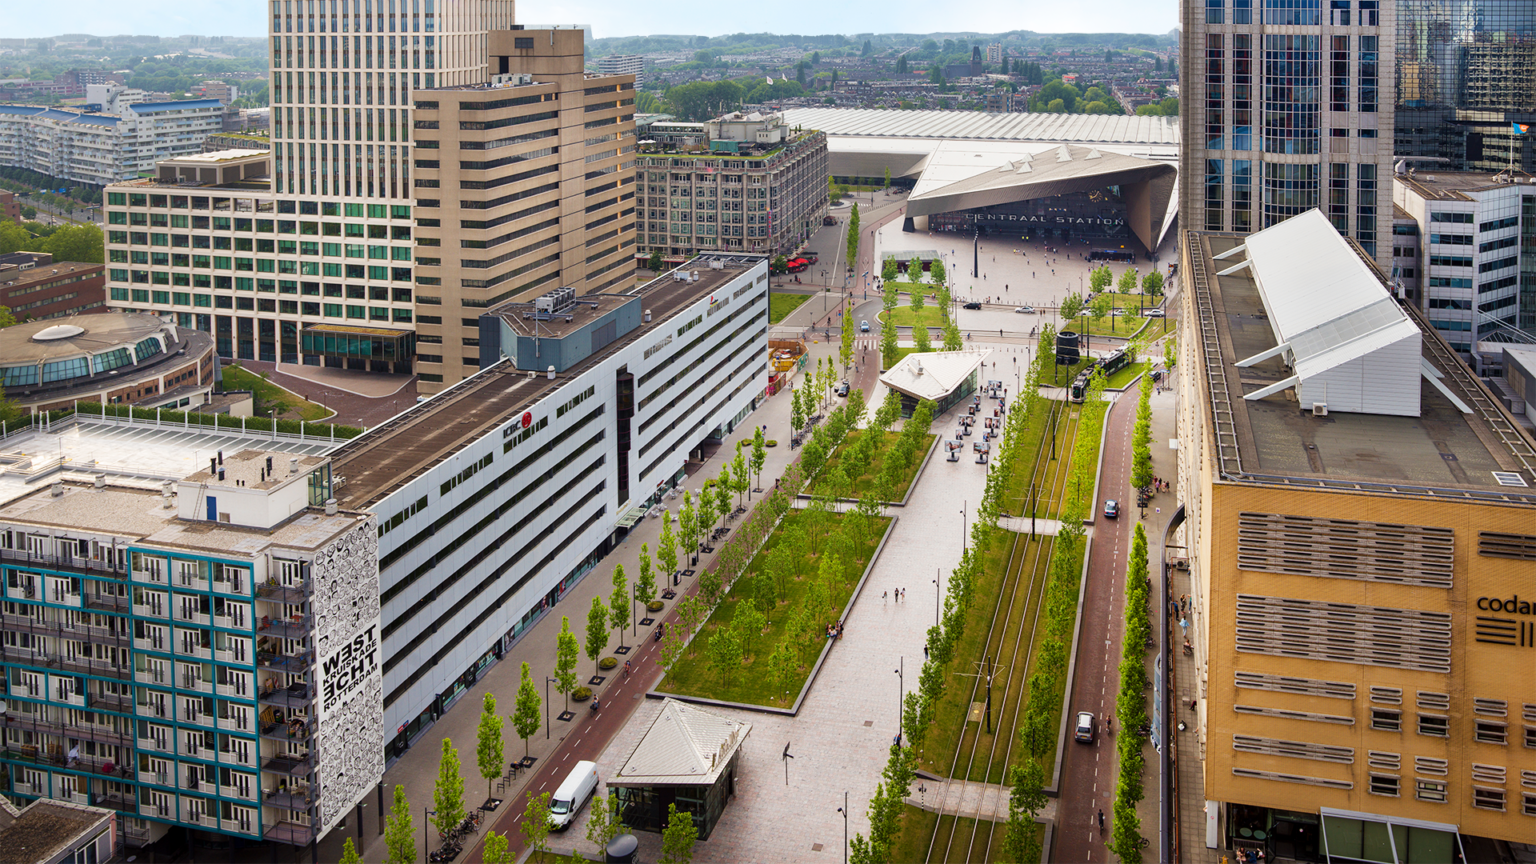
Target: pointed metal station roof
x=685, y=746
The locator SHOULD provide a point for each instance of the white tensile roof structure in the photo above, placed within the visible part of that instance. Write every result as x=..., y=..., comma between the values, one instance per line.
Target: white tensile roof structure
x=1348, y=344
x=932, y=375
x=685, y=746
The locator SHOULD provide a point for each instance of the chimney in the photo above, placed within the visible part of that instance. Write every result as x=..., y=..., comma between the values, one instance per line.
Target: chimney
x=550, y=373
x=330, y=506
x=293, y=465
x=58, y=488
x=101, y=481
x=269, y=466
x=213, y=466
x=221, y=474
x=221, y=457
x=166, y=493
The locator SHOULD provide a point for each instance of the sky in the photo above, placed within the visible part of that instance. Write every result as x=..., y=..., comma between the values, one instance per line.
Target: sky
x=632, y=18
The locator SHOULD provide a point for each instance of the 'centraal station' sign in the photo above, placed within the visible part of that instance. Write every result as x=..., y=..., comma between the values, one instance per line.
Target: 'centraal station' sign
x=1052, y=220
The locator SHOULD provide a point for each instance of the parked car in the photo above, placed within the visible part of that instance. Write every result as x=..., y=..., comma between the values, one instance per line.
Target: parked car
x=572, y=795
x=829, y=220
x=842, y=389
x=1154, y=313
x=971, y=305
x=863, y=326
x=1025, y=310
x=1111, y=509
x=1083, y=733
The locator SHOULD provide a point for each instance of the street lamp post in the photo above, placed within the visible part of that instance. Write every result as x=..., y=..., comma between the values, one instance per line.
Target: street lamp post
x=547, y=681
x=901, y=693
x=937, y=590
x=844, y=810
x=963, y=541
x=426, y=832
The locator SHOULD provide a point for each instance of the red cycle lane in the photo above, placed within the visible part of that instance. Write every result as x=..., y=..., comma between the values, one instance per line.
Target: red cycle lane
x=1088, y=771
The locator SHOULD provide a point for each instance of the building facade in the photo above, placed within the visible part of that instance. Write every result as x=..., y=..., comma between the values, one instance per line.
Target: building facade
x=759, y=186
x=524, y=183
x=1477, y=256
x=208, y=242
x=99, y=149
x=1466, y=74
x=202, y=655
x=1359, y=541
x=585, y=414
x=1283, y=111
x=37, y=290
x=623, y=64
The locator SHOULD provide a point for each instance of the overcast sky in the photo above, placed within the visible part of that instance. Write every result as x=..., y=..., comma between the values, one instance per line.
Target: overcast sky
x=631, y=18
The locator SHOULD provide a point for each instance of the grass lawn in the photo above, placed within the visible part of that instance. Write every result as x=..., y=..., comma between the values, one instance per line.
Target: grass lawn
x=272, y=400
x=905, y=316
x=864, y=482
x=781, y=304
x=954, y=841
x=926, y=288
x=902, y=352
x=1125, y=376
x=692, y=675
x=1016, y=495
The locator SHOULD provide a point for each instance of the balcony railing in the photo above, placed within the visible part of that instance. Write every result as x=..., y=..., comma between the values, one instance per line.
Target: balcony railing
x=85, y=731
x=295, y=664
x=110, y=702
x=297, y=798
x=291, y=833
x=39, y=660
x=289, y=767
x=292, y=696
x=292, y=594
x=294, y=729
x=73, y=564
x=107, y=602
x=296, y=627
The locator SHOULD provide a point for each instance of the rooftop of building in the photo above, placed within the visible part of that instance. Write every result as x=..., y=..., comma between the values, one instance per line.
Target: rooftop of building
x=256, y=469
x=1443, y=452
x=1076, y=128
x=46, y=828
x=14, y=276
x=525, y=320
x=932, y=375
x=53, y=338
x=685, y=746
x=1457, y=185
x=373, y=465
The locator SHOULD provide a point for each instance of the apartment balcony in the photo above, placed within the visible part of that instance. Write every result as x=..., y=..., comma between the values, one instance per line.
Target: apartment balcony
x=206, y=820
x=157, y=745
x=237, y=587
x=188, y=616
x=62, y=598
x=157, y=778
x=190, y=648
x=190, y=581
x=152, y=643
x=292, y=594
x=237, y=691
x=297, y=798
x=239, y=621
x=238, y=655
x=244, y=793
x=110, y=702
x=237, y=723
x=295, y=695
x=153, y=677
x=287, y=767
x=297, y=627
x=38, y=660
x=116, y=801
x=84, y=731
x=230, y=759
x=71, y=564
x=192, y=684
x=294, y=729
x=291, y=833
x=294, y=664
x=149, y=610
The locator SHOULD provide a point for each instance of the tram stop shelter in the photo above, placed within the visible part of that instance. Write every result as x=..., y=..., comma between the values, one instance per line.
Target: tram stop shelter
x=689, y=758
x=944, y=377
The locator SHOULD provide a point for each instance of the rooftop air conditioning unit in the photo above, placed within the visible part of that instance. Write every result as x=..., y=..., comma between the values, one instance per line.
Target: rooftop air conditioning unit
x=1319, y=409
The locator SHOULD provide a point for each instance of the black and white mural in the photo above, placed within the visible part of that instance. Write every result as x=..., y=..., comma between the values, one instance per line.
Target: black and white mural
x=350, y=684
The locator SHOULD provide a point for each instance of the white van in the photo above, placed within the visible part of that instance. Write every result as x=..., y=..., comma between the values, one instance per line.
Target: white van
x=573, y=793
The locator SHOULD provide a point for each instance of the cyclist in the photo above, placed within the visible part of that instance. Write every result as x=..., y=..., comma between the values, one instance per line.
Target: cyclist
x=626, y=668
x=1101, y=821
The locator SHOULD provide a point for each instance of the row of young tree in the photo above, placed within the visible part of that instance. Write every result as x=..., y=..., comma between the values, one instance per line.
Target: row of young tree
x=922, y=340
x=853, y=239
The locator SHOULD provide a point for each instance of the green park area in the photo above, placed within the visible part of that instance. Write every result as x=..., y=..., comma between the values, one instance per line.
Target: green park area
x=762, y=640
x=780, y=304
x=840, y=464
x=906, y=316
x=930, y=837
x=272, y=400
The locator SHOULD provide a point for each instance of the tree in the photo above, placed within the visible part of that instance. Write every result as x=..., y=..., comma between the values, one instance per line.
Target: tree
x=887, y=178
x=1026, y=798
x=604, y=822
x=723, y=493
x=781, y=669
x=1071, y=307
x=6, y=318
x=448, y=793
x=901, y=65
x=495, y=850
x=678, y=837
x=748, y=623
x=565, y=660
x=619, y=602
x=1170, y=352
x=869, y=48
x=349, y=853
x=1099, y=279
x=853, y=238
x=1152, y=283
x=725, y=652
x=760, y=446
x=525, y=718
x=1102, y=305
x=921, y=340
x=845, y=343
x=890, y=270
x=917, y=299
x=687, y=528
x=655, y=263
x=535, y=824
x=707, y=513
x=597, y=631
x=779, y=265
x=667, y=548
x=399, y=833
x=488, y=746
x=796, y=419
x=936, y=271
x=1128, y=281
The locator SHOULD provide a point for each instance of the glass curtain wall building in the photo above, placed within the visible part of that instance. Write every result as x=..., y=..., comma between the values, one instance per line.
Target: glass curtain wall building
x=1283, y=113
x=1466, y=76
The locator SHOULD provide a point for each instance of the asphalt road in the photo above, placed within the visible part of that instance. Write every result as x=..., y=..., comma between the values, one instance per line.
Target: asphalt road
x=1088, y=771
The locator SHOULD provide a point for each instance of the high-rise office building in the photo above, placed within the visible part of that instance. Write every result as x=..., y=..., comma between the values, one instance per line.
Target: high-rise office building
x=1284, y=112
x=1466, y=75
x=623, y=64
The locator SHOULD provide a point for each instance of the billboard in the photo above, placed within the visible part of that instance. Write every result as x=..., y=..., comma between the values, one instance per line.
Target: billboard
x=349, y=698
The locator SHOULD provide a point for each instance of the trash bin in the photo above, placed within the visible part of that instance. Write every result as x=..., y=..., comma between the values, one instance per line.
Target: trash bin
x=623, y=849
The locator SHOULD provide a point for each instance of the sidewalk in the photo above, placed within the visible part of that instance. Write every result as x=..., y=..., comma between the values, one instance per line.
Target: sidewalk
x=417, y=769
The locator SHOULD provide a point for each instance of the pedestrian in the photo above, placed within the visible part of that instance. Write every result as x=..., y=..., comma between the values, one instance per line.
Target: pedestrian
x=882, y=597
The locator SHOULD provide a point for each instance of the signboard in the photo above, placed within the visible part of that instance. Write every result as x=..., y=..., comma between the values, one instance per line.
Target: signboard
x=349, y=697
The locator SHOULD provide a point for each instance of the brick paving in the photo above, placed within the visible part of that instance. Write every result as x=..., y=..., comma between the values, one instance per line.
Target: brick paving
x=356, y=397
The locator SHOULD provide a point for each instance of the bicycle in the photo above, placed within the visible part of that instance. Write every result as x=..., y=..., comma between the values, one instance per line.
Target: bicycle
x=626, y=669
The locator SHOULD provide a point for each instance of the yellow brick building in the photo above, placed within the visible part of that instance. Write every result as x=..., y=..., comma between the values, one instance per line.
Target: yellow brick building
x=1364, y=579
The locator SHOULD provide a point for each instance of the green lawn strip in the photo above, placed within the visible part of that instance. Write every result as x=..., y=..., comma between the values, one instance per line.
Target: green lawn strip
x=904, y=316
x=780, y=304
x=866, y=481
x=1015, y=498
x=1064, y=374
x=1125, y=376
x=692, y=675
x=926, y=288
x=918, y=827
x=272, y=400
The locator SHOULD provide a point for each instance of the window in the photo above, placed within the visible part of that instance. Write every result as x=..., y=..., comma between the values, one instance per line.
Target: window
x=1385, y=784
x=1484, y=798
x=1434, y=724
x=1491, y=732
x=1386, y=720
x=1429, y=790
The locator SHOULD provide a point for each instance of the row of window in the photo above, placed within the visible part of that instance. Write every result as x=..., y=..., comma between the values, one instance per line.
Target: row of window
x=374, y=272
x=348, y=311
x=258, y=205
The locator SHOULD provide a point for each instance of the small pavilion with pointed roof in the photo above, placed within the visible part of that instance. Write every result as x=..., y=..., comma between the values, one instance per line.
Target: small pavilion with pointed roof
x=689, y=758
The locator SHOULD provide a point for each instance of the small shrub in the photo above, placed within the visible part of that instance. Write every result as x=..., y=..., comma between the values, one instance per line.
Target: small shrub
x=655, y=606
x=607, y=663
x=581, y=694
x=771, y=443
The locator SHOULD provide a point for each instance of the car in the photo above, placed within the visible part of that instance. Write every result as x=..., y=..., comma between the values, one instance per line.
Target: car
x=1025, y=310
x=863, y=326
x=842, y=388
x=1083, y=733
x=971, y=305
x=1111, y=509
x=811, y=257
x=1154, y=313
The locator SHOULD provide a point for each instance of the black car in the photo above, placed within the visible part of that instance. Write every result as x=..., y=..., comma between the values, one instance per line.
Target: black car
x=842, y=388
x=971, y=305
x=1111, y=509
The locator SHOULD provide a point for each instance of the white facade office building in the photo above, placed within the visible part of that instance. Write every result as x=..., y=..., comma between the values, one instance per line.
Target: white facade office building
x=623, y=64
x=101, y=148
x=574, y=424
